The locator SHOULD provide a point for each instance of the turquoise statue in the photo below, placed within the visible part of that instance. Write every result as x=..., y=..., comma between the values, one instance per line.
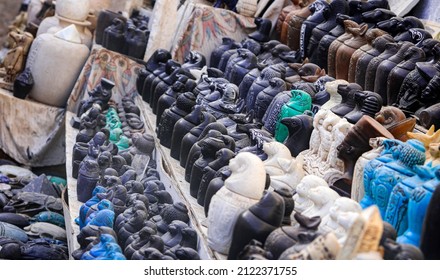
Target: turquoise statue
x=371, y=166
x=103, y=214
x=406, y=155
x=106, y=249
x=417, y=207
x=397, y=209
x=86, y=207
x=49, y=217
x=300, y=102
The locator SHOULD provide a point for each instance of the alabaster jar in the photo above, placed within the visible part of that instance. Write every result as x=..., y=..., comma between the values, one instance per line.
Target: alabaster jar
x=54, y=24
x=73, y=9
x=55, y=62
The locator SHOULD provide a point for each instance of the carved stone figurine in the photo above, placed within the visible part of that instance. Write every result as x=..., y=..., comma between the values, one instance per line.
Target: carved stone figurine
x=354, y=145
x=283, y=169
x=302, y=201
x=367, y=103
x=257, y=222
x=300, y=102
x=287, y=236
x=330, y=221
x=238, y=194
x=347, y=103
x=15, y=59
x=300, y=130
x=363, y=235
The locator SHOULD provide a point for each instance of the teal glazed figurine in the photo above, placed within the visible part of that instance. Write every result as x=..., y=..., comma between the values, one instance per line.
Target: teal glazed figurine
x=371, y=166
x=397, y=210
x=300, y=102
x=417, y=208
x=106, y=249
x=405, y=156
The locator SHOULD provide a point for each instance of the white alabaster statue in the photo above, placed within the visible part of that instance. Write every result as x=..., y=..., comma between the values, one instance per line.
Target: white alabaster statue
x=241, y=190
x=275, y=151
x=357, y=186
x=330, y=222
x=334, y=167
x=335, y=97
x=323, y=199
x=302, y=201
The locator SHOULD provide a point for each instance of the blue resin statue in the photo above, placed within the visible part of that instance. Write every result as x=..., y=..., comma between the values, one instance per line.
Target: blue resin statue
x=417, y=206
x=405, y=156
x=84, y=210
x=106, y=249
x=371, y=166
x=397, y=210
x=103, y=216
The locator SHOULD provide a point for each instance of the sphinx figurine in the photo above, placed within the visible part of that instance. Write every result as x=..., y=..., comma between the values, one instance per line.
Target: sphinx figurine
x=300, y=102
x=237, y=195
